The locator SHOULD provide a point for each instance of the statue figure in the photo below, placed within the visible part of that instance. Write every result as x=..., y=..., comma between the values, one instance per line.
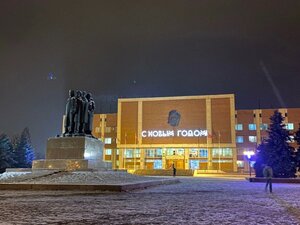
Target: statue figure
x=78, y=113
x=84, y=118
x=70, y=113
x=80, y=108
x=91, y=107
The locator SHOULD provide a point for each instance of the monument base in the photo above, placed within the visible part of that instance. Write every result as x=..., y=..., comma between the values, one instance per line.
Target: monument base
x=73, y=153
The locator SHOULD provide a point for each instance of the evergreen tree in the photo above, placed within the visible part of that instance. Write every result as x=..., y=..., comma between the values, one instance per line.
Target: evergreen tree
x=297, y=139
x=24, y=153
x=6, y=153
x=276, y=151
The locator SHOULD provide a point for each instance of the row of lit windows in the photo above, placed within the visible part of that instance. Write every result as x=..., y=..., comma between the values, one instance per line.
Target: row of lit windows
x=240, y=139
x=194, y=152
x=106, y=130
x=253, y=139
x=264, y=126
x=251, y=126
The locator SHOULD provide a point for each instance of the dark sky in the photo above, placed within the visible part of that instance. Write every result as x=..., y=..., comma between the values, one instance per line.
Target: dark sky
x=143, y=48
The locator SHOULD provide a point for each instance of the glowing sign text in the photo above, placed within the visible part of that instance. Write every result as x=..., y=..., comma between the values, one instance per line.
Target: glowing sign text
x=172, y=133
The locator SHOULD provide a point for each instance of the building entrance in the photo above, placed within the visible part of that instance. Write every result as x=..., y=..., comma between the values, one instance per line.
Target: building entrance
x=179, y=163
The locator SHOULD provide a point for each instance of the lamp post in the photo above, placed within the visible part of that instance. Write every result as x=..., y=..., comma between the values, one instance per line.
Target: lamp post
x=249, y=154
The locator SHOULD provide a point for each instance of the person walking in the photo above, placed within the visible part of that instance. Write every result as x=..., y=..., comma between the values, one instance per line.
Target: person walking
x=268, y=174
x=174, y=170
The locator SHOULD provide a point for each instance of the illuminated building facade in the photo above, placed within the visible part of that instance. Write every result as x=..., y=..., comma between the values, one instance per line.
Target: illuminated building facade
x=193, y=132
x=251, y=128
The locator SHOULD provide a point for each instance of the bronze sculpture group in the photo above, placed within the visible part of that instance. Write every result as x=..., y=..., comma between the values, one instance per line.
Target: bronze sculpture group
x=79, y=114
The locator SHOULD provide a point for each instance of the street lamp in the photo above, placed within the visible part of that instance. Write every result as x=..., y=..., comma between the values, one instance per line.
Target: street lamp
x=249, y=154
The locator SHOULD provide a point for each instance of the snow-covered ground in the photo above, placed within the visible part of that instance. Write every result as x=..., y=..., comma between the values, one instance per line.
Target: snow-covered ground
x=76, y=177
x=193, y=201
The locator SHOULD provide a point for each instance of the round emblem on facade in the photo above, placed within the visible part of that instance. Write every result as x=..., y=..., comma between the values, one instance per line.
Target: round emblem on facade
x=174, y=118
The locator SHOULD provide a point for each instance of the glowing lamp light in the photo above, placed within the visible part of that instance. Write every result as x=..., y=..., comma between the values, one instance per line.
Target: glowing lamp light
x=249, y=154
x=87, y=155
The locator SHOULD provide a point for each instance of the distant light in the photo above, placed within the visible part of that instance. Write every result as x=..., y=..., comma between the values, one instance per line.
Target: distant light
x=51, y=76
x=249, y=154
x=87, y=155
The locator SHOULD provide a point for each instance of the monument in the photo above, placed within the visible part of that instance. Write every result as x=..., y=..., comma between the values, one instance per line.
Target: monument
x=76, y=148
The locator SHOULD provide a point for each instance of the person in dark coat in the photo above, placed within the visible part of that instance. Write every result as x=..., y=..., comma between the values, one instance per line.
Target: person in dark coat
x=174, y=170
x=268, y=174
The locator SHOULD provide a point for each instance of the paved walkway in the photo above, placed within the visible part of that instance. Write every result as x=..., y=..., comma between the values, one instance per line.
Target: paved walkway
x=193, y=201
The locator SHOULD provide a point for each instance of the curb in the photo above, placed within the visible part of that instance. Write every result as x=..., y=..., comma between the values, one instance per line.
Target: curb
x=87, y=187
x=275, y=180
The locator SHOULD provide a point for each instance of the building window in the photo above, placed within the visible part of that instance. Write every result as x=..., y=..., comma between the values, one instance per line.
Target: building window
x=194, y=164
x=222, y=152
x=239, y=139
x=203, y=153
x=289, y=126
x=137, y=153
x=180, y=151
x=157, y=164
x=158, y=152
x=107, y=151
x=128, y=153
x=240, y=163
x=107, y=129
x=107, y=140
x=239, y=126
x=252, y=126
x=150, y=153
x=97, y=129
x=252, y=139
x=174, y=151
x=264, y=126
x=193, y=152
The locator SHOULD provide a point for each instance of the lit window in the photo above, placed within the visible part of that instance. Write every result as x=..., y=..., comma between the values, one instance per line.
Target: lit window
x=203, y=153
x=239, y=139
x=289, y=126
x=227, y=152
x=158, y=152
x=157, y=164
x=264, y=126
x=252, y=138
x=239, y=126
x=137, y=153
x=194, y=164
x=107, y=140
x=252, y=126
x=150, y=152
x=97, y=129
x=107, y=129
x=193, y=152
x=107, y=151
x=128, y=153
x=174, y=151
x=240, y=163
x=180, y=151
x=223, y=152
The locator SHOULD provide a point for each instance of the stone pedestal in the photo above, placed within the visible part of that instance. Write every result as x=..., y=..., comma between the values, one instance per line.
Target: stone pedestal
x=73, y=153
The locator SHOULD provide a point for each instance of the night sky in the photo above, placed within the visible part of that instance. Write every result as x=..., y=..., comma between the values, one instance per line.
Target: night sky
x=143, y=48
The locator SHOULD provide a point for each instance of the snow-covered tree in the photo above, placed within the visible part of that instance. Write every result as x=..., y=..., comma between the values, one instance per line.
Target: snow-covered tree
x=6, y=153
x=24, y=153
x=276, y=151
